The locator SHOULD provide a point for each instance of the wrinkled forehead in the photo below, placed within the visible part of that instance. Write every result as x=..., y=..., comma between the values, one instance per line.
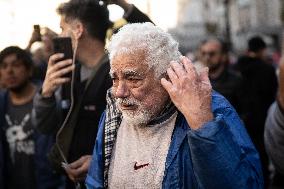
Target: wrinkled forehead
x=134, y=62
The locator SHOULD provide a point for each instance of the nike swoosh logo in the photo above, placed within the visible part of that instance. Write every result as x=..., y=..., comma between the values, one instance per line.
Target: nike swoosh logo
x=136, y=167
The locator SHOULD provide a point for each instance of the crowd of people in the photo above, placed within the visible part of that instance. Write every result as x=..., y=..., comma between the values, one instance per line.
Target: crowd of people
x=135, y=112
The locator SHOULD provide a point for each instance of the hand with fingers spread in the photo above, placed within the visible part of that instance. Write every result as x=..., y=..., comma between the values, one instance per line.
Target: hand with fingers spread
x=78, y=170
x=54, y=75
x=190, y=92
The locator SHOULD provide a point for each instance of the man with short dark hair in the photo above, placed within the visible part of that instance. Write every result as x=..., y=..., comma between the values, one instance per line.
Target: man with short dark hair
x=25, y=149
x=163, y=126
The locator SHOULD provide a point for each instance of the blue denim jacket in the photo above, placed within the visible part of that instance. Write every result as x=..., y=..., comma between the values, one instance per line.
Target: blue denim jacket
x=218, y=155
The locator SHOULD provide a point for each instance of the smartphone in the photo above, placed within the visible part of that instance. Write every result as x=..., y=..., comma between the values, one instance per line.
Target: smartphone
x=37, y=31
x=63, y=45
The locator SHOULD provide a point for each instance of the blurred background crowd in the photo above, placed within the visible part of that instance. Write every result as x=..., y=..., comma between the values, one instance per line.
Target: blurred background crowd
x=239, y=41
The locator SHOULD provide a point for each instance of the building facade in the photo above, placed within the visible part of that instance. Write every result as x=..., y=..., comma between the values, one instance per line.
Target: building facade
x=236, y=20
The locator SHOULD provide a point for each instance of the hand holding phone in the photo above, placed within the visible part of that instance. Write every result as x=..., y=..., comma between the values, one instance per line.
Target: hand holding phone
x=63, y=45
x=60, y=66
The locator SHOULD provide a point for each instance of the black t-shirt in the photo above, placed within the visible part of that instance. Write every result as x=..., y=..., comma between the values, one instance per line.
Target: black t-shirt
x=20, y=149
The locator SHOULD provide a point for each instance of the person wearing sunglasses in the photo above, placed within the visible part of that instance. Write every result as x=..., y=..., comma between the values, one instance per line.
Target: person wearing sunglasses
x=213, y=53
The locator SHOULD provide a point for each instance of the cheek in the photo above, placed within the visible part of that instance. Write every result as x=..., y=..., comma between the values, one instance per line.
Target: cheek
x=1, y=72
x=139, y=94
x=151, y=97
x=218, y=59
x=22, y=74
x=3, y=75
x=113, y=90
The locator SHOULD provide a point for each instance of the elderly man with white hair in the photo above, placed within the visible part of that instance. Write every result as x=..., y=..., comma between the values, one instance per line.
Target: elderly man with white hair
x=163, y=126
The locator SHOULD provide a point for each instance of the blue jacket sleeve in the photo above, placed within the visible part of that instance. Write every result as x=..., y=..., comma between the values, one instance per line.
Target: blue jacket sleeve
x=95, y=176
x=223, y=155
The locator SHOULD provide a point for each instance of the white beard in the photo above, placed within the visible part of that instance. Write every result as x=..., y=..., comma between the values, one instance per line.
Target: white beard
x=138, y=117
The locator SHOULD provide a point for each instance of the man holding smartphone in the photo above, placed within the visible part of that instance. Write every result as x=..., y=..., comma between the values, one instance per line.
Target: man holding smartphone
x=86, y=22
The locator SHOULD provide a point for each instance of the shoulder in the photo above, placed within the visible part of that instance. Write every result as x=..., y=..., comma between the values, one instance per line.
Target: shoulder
x=242, y=59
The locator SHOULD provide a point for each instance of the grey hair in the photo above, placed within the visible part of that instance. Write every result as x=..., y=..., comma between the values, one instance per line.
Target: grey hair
x=159, y=46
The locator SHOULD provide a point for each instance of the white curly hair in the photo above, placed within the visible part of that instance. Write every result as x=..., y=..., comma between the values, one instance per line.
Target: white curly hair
x=159, y=46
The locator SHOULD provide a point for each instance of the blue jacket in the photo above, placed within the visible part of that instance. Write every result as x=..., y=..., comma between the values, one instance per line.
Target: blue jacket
x=45, y=176
x=218, y=155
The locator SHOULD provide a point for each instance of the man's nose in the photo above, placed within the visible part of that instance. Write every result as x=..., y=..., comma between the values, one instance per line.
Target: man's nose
x=206, y=58
x=122, y=90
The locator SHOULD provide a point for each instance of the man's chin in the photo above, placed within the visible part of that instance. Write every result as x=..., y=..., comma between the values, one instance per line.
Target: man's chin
x=136, y=117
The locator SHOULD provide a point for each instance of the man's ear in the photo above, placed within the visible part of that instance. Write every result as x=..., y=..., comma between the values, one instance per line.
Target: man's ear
x=78, y=29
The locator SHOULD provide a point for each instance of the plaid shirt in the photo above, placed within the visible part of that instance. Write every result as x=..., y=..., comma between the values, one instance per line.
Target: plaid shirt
x=112, y=123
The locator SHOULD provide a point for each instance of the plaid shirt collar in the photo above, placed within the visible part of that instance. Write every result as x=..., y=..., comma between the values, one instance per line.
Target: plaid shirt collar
x=112, y=123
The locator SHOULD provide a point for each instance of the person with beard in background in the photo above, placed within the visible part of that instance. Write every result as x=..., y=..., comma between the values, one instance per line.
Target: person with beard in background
x=213, y=53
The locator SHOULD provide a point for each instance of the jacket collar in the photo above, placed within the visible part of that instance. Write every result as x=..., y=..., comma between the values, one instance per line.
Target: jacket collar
x=179, y=134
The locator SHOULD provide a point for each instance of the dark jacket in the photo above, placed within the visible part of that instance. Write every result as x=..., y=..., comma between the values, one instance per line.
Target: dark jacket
x=2, y=119
x=45, y=177
x=82, y=123
x=229, y=85
x=77, y=137
x=258, y=92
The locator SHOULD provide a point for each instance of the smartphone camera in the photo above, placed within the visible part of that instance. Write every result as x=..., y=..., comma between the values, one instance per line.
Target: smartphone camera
x=63, y=45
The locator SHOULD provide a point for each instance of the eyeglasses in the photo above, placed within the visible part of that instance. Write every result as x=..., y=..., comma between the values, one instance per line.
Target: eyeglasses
x=209, y=53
